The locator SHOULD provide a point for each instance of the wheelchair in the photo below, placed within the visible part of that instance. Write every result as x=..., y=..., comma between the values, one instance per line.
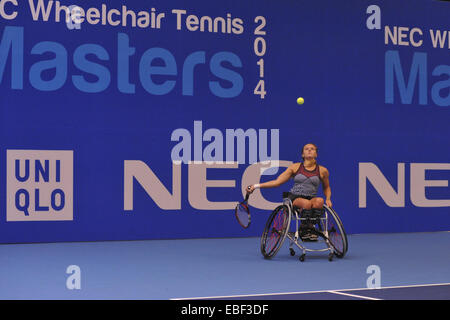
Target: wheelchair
x=324, y=225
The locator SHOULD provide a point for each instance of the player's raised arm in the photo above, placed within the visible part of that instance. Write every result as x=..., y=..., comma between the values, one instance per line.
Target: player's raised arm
x=282, y=178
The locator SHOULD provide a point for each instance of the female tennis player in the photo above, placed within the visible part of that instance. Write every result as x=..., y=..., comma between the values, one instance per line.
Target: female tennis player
x=307, y=177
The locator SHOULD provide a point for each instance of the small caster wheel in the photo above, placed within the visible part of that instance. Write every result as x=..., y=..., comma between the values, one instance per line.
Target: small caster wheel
x=292, y=252
x=302, y=258
x=330, y=257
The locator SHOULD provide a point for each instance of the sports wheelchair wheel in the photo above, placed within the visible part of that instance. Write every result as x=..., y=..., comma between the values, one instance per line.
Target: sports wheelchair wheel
x=275, y=232
x=335, y=232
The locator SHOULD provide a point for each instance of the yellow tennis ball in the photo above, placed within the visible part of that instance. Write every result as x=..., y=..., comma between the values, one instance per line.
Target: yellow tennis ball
x=300, y=100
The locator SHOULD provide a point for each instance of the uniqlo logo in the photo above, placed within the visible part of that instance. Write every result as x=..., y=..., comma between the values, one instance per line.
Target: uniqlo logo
x=39, y=185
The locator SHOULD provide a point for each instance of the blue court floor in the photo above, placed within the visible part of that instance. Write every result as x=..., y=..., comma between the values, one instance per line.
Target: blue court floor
x=233, y=268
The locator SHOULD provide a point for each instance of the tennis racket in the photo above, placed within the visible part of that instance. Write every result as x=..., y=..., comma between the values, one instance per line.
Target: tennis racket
x=242, y=212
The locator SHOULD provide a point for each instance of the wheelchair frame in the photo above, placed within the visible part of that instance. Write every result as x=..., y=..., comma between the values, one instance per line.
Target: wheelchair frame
x=294, y=237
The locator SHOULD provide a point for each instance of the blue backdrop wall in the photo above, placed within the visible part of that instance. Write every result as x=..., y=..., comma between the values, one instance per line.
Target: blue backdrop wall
x=129, y=120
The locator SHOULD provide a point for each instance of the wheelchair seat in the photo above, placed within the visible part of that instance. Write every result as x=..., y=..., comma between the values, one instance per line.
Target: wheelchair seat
x=311, y=215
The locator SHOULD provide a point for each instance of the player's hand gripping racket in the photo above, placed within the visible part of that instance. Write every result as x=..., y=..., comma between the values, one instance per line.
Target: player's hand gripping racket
x=242, y=212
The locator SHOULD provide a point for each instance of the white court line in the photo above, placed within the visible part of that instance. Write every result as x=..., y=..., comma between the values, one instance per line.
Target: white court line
x=353, y=295
x=305, y=292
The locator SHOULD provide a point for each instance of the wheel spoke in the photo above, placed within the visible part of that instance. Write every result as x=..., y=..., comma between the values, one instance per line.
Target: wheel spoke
x=275, y=232
x=336, y=234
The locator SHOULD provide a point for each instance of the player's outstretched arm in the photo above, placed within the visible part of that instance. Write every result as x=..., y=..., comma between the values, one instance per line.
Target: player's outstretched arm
x=282, y=178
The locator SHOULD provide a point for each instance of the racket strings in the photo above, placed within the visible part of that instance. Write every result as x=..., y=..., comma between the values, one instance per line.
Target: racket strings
x=242, y=215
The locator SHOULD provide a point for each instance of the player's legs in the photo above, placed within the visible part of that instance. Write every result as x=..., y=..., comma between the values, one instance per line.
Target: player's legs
x=317, y=203
x=302, y=203
x=314, y=203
